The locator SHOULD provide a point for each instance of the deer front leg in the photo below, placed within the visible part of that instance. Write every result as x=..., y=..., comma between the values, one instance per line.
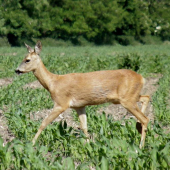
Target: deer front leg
x=83, y=119
x=53, y=115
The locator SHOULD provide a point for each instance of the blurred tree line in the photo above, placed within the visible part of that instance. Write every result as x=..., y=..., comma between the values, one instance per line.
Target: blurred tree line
x=96, y=21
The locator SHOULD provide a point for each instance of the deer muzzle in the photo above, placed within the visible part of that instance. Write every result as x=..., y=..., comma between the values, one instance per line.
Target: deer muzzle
x=18, y=72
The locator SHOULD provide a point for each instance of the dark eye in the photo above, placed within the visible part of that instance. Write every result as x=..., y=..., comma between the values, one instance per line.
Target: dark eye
x=27, y=61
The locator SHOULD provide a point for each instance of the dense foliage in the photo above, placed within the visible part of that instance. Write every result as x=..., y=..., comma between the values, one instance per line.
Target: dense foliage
x=97, y=21
x=114, y=144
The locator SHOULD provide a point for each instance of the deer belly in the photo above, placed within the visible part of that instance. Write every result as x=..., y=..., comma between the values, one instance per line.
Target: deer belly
x=89, y=99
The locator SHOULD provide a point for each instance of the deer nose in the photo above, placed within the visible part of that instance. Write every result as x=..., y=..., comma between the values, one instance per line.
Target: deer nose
x=18, y=71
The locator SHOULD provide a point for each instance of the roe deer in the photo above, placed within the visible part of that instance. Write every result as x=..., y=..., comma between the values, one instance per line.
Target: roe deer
x=77, y=90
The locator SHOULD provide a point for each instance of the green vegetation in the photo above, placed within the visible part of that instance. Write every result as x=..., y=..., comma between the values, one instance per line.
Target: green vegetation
x=115, y=144
x=82, y=22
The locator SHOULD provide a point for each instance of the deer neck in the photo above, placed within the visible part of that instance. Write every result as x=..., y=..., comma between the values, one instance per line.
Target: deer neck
x=43, y=75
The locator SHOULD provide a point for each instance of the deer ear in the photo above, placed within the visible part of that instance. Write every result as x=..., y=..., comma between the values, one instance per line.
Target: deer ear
x=30, y=50
x=38, y=47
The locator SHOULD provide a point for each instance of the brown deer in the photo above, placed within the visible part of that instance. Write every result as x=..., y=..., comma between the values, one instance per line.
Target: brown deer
x=77, y=90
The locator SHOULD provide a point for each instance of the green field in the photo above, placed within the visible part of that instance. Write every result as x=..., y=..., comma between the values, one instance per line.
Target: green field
x=115, y=143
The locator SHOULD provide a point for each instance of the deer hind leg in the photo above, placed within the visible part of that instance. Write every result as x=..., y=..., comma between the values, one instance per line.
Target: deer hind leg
x=133, y=108
x=53, y=115
x=83, y=119
x=144, y=100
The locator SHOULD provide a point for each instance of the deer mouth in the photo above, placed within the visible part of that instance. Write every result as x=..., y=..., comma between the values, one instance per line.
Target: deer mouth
x=19, y=72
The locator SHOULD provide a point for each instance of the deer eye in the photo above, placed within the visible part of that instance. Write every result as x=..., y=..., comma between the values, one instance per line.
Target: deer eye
x=27, y=61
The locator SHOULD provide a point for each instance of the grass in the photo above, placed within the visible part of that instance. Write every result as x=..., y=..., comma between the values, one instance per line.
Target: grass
x=114, y=144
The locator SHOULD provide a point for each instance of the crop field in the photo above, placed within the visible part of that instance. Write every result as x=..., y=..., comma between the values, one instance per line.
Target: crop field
x=114, y=140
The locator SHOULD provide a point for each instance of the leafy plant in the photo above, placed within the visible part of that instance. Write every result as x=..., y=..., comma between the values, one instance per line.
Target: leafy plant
x=113, y=144
x=129, y=61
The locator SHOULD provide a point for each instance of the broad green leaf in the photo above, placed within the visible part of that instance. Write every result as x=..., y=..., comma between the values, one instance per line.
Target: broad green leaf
x=104, y=164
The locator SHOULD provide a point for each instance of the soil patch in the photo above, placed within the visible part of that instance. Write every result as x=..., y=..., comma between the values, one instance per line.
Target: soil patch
x=6, y=135
x=9, y=54
x=65, y=116
x=34, y=85
x=4, y=131
x=5, y=82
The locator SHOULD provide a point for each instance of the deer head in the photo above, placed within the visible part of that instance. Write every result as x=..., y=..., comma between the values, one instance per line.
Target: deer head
x=31, y=61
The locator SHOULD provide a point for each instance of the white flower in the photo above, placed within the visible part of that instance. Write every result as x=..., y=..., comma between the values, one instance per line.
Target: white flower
x=158, y=27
